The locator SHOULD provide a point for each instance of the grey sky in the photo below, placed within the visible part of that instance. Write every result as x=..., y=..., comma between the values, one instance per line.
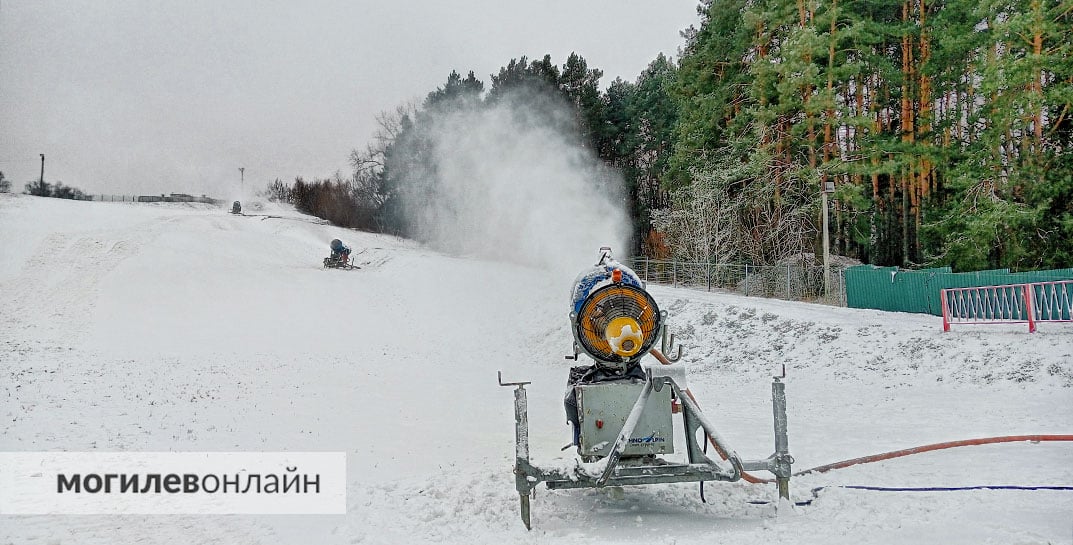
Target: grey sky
x=150, y=97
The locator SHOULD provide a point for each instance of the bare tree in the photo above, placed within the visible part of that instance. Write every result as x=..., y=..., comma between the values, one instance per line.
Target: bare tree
x=278, y=191
x=701, y=224
x=389, y=125
x=732, y=213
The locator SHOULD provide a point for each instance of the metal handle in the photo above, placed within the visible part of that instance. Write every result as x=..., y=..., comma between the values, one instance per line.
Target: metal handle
x=499, y=374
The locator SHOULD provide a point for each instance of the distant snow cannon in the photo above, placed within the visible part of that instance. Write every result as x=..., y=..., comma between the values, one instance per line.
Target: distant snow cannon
x=340, y=256
x=621, y=412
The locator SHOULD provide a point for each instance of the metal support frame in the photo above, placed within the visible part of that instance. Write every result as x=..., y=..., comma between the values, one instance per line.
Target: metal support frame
x=617, y=471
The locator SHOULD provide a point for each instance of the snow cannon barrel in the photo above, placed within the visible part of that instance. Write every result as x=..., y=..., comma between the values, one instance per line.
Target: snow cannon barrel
x=613, y=318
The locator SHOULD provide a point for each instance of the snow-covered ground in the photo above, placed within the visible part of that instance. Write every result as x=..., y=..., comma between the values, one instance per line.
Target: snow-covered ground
x=167, y=327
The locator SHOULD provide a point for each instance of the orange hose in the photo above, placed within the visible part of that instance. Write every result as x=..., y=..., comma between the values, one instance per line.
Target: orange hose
x=886, y=455
x=934, y=446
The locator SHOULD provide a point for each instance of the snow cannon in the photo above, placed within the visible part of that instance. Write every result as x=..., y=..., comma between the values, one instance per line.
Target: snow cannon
x=614, y=319
x=622, y=409
x=340, y=257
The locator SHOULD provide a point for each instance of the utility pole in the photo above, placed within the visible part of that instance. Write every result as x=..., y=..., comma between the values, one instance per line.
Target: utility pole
x=42, y=180
x=828, y=187
x=242, y=179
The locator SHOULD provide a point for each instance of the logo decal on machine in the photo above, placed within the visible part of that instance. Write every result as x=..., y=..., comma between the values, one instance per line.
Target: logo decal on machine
x=645, y=440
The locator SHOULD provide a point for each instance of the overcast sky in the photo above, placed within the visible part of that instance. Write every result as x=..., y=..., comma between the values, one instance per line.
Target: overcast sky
x=148, y=97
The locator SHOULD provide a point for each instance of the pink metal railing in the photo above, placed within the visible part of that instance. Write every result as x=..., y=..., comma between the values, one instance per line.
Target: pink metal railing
x=1010, y=304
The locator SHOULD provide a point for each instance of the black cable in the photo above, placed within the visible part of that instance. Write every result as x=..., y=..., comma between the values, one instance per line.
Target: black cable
x=953, y=488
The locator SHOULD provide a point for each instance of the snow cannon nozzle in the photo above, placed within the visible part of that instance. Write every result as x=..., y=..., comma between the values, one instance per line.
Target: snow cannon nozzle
x=615, y=320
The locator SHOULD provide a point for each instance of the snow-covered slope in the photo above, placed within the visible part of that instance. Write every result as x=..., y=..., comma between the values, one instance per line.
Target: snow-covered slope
x=172, y=327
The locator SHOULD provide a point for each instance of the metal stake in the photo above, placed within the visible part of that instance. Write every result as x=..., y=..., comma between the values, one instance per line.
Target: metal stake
x=521, y=447
x=783, y=460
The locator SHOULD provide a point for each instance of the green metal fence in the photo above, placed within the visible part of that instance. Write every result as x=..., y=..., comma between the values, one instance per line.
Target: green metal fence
x=898, y=290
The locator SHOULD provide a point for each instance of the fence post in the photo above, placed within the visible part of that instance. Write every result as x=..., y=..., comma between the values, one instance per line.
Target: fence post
x=708, y=274
x=674, y=273
x=787, y=281
x=746, y=279
x=1028, y=291
x=842, y=280
x=646, y=269
x=942, y=301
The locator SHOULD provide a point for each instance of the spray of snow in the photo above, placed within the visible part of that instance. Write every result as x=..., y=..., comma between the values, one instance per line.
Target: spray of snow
x=512, y=181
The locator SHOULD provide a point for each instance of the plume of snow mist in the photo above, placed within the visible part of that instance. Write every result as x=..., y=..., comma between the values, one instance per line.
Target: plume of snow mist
x=511, y=181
